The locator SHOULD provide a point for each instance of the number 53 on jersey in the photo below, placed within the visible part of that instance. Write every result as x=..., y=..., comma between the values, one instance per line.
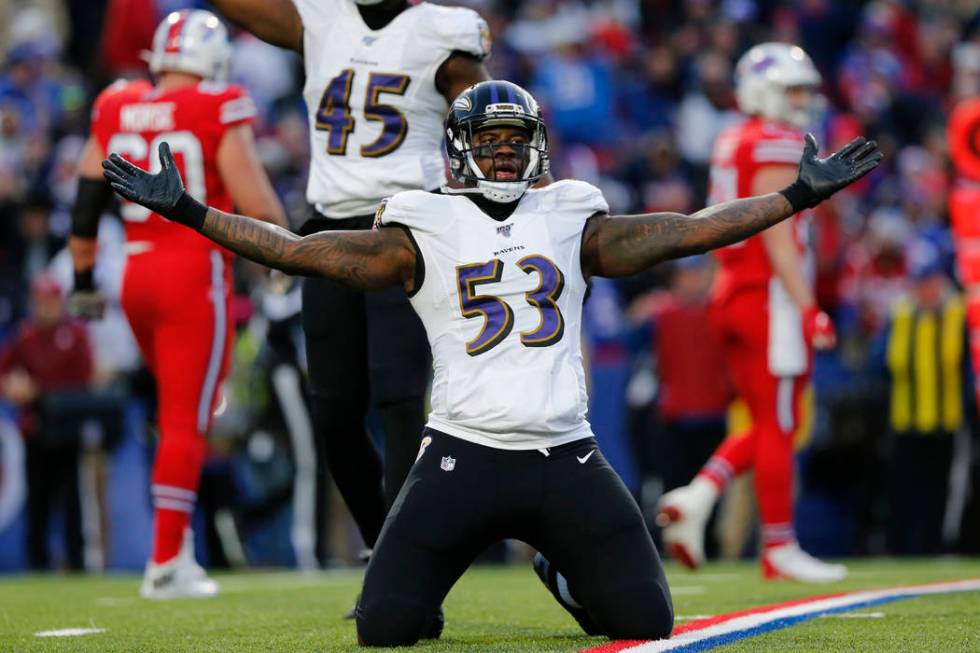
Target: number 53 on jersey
x=498, y=315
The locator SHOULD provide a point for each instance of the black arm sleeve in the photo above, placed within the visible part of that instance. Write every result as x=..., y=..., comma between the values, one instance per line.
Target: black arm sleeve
x=90, y=201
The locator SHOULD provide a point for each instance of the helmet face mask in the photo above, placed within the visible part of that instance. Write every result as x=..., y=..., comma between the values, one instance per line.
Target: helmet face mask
x=505, y=158
x=481, y=108
x=768, y=74
x=193, y=42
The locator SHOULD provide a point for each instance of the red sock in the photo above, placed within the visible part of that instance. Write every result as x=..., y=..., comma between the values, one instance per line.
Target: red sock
x=774, y=485
x=176, y=473
x=731, y=458
x=168, y=533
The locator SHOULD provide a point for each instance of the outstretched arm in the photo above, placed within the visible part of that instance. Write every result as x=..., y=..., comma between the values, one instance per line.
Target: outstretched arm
x=274, y=21
x=624, y=245
x=360, y=259
x=618, y=246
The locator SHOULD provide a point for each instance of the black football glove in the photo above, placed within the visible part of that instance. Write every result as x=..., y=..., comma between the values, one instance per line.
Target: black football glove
x=162, y=193
x=818, y=179
x=86, y=304
x=85, y=301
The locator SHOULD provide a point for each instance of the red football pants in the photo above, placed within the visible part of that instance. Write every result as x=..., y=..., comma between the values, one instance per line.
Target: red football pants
x=178, y=305
x=742, y=323
x=964, y=210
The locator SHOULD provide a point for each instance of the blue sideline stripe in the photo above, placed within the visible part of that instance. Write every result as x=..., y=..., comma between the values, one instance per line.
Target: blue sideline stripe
x=779, y=624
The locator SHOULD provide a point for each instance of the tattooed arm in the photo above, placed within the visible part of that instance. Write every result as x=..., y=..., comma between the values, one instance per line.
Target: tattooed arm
x=359, y=259
x=620, y=246
x=623, y=245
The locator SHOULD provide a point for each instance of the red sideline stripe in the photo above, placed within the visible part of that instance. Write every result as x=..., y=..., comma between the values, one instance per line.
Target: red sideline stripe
x=619, y=645
x=702, y=624
x=717, y=619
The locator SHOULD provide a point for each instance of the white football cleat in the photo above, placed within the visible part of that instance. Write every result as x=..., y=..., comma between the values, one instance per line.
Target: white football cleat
x=790, y=562
x=180, y=577
x=683, y=513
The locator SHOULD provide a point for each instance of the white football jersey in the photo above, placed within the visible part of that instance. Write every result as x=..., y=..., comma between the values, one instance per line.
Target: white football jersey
x=501, y=302
x=375, y=114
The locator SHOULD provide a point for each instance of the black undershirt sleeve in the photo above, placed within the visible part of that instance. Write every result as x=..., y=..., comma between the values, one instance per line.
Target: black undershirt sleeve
x=90, y=201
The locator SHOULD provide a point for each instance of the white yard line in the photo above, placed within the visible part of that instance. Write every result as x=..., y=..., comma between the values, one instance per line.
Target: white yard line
x=69, y=632
x=685, y=590
x=691, y=617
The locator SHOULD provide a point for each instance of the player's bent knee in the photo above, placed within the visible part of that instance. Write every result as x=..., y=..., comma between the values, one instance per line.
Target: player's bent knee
x=391, y=623
x=638, y=612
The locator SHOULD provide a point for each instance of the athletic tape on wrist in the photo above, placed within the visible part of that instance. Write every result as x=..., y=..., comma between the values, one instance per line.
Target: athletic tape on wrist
x=189, y=211
x=800, y=196
x=84, y=280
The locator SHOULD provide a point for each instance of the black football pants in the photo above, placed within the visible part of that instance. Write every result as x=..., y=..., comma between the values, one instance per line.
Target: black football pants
x=363, y=348
x=461, y=497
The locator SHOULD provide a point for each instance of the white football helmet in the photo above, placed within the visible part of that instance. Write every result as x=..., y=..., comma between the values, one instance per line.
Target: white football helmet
x=194, y=42
x=762, y=77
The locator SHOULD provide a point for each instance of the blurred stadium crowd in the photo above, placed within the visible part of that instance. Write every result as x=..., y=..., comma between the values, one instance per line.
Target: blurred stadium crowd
x=635, y=92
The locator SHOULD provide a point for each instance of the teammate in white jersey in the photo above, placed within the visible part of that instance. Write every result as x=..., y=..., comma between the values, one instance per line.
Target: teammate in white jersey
x=498, y=272
x=379, y=78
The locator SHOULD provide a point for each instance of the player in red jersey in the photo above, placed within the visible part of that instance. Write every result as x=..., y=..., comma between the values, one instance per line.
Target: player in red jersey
x=765, y=315
x=176, y=285
x=963, y=131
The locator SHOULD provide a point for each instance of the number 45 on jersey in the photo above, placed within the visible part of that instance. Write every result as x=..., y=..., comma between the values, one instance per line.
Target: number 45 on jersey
x=334, y=116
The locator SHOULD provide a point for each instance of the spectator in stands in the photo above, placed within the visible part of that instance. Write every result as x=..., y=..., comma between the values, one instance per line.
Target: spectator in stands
x=693, y=397
x=923, y=351
x=49, y=355
x=706, y=109
x=32, y=247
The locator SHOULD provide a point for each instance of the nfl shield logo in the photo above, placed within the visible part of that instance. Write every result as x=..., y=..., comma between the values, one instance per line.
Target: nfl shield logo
x=448, y=463
x=504, y=230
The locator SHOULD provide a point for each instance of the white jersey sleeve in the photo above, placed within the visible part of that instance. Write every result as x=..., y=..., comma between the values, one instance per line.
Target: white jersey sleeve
x=459, y=29
x=314, y=12
x=414, y=209
x=577, y=200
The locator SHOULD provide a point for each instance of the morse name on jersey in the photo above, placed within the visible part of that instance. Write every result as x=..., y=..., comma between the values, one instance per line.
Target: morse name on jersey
x=147, y=117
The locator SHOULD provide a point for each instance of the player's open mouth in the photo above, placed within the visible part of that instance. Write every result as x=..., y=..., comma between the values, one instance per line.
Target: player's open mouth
x=506, y=170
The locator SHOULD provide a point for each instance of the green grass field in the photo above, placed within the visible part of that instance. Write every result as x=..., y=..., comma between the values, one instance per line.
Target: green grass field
x=490, y=609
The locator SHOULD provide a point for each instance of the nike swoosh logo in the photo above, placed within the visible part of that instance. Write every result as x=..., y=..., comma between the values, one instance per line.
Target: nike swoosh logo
x=583, y=459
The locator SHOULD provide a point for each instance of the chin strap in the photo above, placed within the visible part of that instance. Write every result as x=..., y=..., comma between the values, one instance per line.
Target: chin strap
x=503, y=192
